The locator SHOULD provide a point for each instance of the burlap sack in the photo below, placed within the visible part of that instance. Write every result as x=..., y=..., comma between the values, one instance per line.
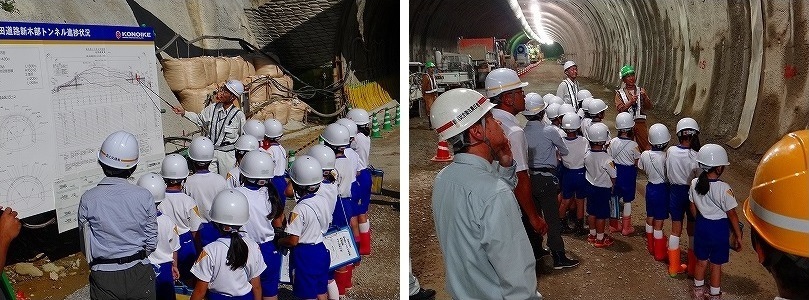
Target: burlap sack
x=297, y=111
x=194, y=99
x=195, y=73
x=174, y=72
x=266, y=66
x=222, y=69
x=281, y=111
x=209, y=62
x=236, y=68
x=285, y=83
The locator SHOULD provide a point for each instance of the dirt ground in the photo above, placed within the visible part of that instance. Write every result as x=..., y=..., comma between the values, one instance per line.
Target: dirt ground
x=377, y=277
x=623, y=271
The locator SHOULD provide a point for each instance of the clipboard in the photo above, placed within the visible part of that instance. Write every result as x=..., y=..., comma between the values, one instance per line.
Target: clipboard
x=342, y=247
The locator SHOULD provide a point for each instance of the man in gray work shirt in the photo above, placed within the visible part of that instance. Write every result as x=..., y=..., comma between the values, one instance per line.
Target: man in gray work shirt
x=477, y=219
x=117, y=222
x=544, y=142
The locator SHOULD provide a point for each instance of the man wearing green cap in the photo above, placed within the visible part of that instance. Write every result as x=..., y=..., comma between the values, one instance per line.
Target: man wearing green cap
x=633, y=99
x=428, y=87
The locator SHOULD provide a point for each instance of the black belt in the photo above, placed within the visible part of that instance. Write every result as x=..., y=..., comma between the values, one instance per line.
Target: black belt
x=140, y=255
x=543, y=169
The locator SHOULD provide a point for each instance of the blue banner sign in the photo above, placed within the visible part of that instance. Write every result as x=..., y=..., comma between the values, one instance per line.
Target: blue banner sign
x=48, y=31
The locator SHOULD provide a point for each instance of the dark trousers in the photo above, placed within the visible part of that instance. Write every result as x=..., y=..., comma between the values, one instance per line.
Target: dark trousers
x=544, y=189
x=136, y=282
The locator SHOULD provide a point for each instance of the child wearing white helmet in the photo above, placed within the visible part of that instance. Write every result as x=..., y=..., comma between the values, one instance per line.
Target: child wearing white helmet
x=229, y=268
x=681, y=168
x=574, y=184
x=273, y=131
x=600, y=173
x=362, y=145
x=653, y=163
x=309, y=258
x=266, y=214
x=164, y=258
x=713, y=204
x=182, y=210
x=596, y=108
x=203, y=185
x=625, y=153
x=244, y=144
x=328, y=189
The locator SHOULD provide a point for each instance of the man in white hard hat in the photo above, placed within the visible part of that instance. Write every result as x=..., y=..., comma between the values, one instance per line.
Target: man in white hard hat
x=486, y=251
x=118, y=223
x=569, y=87
x=221, y=122
x=634, y=100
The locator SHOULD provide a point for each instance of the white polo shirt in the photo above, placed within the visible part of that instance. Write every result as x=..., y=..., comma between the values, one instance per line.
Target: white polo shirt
x=585, y=123
x=577, y=150
x=182, y=210
x=654, y=164
x=346, y=174
x=516, y=137
x=600, y=169
x=715, y=204
x=329, y=192
x=168, y=241
x=259, y=227
x=681, y=165
x=203, y=187
x=355, y=159
x=279, y=158
x=623, y=151
x=362, y=145
x=308, y=219
x=561, y=131
x=233, y=178
x=211, y=267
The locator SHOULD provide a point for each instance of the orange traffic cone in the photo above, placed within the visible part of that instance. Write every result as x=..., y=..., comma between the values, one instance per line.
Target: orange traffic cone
x=442, y=153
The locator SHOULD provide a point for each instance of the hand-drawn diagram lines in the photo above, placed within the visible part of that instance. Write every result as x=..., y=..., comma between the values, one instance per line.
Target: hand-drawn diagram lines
x=28, y=188
x=22, y=128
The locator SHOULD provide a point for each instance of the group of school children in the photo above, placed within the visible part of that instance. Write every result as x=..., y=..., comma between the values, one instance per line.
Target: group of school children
x=683, y=183
x=226, y=235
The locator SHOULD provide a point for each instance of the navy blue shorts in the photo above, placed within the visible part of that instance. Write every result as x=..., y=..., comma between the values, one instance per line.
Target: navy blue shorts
x=657, y=200
x=186, y=256
x=364, y=191
x=207, y=233
x=217, y=296
x=280, y=184
x=598, y=202
x=574, y=184
x=340, y=219
x=712, y=240
x=678, y=202
x=310, y=267
x=561, y=170
x=272, y=274
x=625, y=182
x=164, y=281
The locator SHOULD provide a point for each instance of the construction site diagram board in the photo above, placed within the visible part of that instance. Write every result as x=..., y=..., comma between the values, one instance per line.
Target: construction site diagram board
x=65, y=88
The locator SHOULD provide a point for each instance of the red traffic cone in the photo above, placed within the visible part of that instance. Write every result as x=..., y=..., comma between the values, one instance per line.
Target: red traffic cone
x=442, y=153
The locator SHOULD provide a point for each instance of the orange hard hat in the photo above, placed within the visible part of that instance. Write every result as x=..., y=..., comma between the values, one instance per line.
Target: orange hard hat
x=778, y=206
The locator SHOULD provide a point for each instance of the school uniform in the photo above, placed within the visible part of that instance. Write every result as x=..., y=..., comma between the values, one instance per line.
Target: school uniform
x=681, y=168
x=574, y=183
x=657, y=189
x=203, y=187
x=224, y=283
x=259, y=228
x=184, y=213
x=600, y=170
x=357, y=190
x=712, y=231
x=346, y=175
x=585, y=123
x=362, y=145
x=233, y=178
x=309, y=259
x=624, y=152
x=328, y=189
x=162, y=259
x=279, y=157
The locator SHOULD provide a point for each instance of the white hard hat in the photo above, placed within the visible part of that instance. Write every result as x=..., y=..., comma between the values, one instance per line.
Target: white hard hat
x=659, y=134
x=246, y=142
x=598, y=132
x=155, y=184
x=456, y=110
x=235, y=86
x=306, y=170
x=566, y=108
x=174, y=167
x=585, y=104
x=687, y=123
x=624, y=120
x=336, y=135
x=359, y=116
x=547, y=98
x=257, y=164
x=568, y=64
x=596, y=106
x=583, y=94
x=552, y=111
x=571, y=121
x=119, y=150
x=350, y=125
x=230, y=208
x=501, y=80
x=201, y=149
x=557, y=99
x=533, y=104
x=712, y=155
x=324, y=155
x=273, y=128
x=254, y=128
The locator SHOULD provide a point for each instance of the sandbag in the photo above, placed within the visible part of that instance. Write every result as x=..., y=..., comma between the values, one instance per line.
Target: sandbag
x=175, y=75
x=249, y=69
x=297, y=111
x=236, y=68
x=286, y=85
x=195, y=73
x=266, y=66
x=281, y=111
x=222, y=69
x=209, y=63
x=194, y=99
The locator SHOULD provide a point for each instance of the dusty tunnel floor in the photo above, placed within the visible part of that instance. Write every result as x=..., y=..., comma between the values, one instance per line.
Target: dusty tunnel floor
x=377, y=277
x=623, y=271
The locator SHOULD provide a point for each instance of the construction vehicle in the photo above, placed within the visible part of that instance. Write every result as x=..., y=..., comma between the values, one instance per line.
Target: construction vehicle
x=455, y=70
x=416, y=71
x=521, y=55
x=485, y=54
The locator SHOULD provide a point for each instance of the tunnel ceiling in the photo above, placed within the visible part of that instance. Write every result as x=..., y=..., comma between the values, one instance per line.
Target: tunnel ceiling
x=449, y=19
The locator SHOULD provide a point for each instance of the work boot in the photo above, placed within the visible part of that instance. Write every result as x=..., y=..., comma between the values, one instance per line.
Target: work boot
x=591, y=238
x=692, y=262
x=579, y=230
x=674, y=263
x=365, y=243
x=699, y=292
x=423, y=294
x=605, y=242
x=565, y=227
x=560, y=261
x=660, y=249
x=615, y=225
x=627, y=224
x=650, y=243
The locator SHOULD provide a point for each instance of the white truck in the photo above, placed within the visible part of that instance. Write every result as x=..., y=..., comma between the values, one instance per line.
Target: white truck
x=454, y=70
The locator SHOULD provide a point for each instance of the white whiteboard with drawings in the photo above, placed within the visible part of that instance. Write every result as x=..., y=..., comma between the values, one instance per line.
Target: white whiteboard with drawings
x=65, y=88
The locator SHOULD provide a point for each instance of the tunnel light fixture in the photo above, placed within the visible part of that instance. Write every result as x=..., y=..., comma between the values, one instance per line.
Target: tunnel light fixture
x=515, y=7
x=536, y=17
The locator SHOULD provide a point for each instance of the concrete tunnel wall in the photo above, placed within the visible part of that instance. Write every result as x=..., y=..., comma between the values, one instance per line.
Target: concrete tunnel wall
x=725, y=63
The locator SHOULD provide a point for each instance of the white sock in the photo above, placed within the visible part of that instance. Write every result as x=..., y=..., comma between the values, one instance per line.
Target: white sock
x=649, y=228
x=715, y=291
x=674, y=242
x=365, y=227
x=699, y=282
x=334, y=293
x=627, y=209
x=658, y=234
x=599, y=236
x=592, y=231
